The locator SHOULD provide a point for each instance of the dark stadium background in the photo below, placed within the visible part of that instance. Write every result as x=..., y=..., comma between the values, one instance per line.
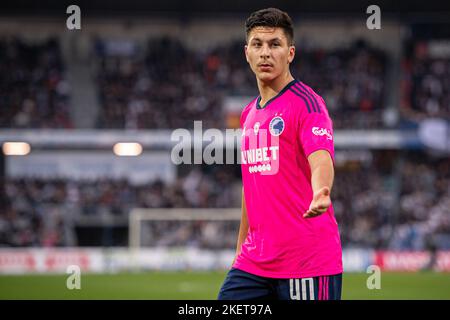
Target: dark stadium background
x=137, y=70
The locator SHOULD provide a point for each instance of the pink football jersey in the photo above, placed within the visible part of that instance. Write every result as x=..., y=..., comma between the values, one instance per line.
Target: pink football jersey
x=276, y=141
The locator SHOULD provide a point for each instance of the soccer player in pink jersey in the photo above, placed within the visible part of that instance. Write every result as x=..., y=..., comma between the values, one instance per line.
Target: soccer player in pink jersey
x=288, y=245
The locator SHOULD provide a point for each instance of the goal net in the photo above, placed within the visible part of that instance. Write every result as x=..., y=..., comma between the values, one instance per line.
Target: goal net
x=183, y=238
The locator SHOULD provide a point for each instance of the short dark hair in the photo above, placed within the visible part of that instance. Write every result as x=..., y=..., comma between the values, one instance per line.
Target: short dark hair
x=272, y=18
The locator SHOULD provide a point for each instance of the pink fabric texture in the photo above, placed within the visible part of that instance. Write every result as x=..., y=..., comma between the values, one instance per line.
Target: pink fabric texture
x=276, y=141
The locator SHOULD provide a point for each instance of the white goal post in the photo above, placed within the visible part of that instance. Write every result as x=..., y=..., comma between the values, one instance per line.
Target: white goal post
x=137, y=215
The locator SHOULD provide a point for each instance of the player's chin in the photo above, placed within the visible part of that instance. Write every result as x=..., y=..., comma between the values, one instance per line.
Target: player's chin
x=266, y=76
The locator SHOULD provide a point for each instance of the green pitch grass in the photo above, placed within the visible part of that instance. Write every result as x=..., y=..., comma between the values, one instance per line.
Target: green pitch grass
x=205, y=285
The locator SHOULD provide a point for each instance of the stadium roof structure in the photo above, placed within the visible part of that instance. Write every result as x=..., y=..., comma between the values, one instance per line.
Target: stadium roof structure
x=161, y=139
x=193, y=7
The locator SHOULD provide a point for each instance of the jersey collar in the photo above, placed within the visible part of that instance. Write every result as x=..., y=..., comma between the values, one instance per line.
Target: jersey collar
x=258, y=106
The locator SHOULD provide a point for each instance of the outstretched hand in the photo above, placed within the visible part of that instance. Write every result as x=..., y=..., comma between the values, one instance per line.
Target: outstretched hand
x=319, y=204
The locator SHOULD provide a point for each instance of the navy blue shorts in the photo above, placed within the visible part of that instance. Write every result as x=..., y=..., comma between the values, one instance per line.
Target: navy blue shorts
x=241, y=285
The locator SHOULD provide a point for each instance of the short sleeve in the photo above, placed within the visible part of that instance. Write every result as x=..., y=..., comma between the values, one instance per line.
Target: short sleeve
x=316, y=130
x=245, y=112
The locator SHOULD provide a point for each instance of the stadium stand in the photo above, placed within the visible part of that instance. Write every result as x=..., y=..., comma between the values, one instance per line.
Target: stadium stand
x=143, y=92
x=426, y=81
x=161, y=83
x=33, y=90
x=364, y=200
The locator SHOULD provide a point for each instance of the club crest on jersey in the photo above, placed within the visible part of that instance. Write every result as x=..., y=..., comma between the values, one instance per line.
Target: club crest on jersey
x=276, y=126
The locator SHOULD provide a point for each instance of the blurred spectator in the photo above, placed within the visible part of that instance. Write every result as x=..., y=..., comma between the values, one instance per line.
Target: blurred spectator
x=170, y=86
x=426, y=82
x=33, y=89
x=350, y=80
x=424, y=206
x=366, y=197
x=165, y=86
x=34, y=211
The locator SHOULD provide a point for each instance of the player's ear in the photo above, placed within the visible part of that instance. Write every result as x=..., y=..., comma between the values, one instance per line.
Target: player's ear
x=291, y=53
x=246, y=53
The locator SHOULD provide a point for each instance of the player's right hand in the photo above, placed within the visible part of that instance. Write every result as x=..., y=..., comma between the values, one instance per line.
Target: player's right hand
x=319, y=204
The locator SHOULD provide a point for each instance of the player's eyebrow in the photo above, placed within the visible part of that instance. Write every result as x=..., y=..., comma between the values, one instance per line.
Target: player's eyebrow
x=270, y=40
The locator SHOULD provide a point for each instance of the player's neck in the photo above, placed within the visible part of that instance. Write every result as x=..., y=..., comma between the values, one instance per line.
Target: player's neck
x=268, y=90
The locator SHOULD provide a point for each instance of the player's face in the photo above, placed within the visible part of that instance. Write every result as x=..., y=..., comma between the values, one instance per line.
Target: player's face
x=268, y=53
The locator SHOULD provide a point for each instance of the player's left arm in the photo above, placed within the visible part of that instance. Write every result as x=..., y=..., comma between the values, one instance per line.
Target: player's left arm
x=322, y=176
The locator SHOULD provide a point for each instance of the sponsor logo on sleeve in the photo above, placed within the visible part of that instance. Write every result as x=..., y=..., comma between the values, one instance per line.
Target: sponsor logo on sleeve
x=322, y=132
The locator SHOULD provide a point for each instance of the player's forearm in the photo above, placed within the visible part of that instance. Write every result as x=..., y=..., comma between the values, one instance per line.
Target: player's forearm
x=322, y=175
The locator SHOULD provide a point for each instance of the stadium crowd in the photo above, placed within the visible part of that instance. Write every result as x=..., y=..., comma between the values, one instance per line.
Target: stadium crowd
x=35, y=211
x=38, y=212
x=143, y=86
x=426, y=83
x=144, y=90
x=165, y=86
x=351, y=81
x=34, y=92
x=424, y=217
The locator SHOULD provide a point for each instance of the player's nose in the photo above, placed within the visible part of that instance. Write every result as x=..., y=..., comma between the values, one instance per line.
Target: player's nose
x=265, y=51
